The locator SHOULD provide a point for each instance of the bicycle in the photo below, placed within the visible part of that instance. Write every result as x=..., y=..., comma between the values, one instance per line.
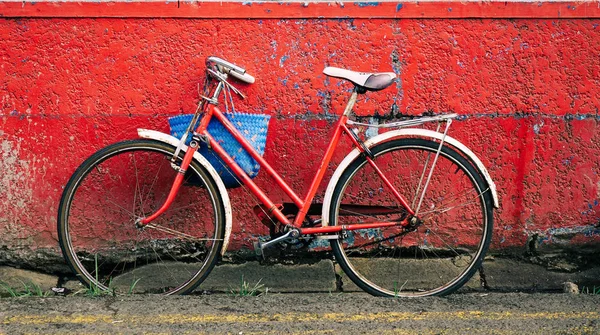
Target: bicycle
x=408, y=212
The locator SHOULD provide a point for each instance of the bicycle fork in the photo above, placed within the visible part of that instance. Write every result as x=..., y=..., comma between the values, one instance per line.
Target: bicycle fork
x=181, y=170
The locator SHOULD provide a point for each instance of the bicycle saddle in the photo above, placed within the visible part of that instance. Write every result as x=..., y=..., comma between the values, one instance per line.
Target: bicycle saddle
x=365, y=81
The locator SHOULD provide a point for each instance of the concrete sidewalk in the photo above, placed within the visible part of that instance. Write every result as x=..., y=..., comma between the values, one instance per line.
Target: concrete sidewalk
x=499, y=275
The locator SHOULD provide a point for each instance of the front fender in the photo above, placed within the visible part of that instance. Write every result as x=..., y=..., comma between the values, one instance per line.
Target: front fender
x=408, y=132
x=166, y=138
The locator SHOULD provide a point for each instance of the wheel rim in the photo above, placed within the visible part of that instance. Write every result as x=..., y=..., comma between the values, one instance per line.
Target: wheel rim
x=439, y=255
x=103, y=245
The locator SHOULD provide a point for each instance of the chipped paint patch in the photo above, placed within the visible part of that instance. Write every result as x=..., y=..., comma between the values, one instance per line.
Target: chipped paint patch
x=537, y=127
x=15, y=179
x=283, y=59
x=16, y=189
x=367, y=4
x=372, y=131
x=564, y=235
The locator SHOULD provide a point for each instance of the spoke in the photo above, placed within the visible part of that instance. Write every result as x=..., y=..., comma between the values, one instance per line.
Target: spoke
x=462, y=269
x=429, y=257
x=418, y=248
x=120, y=207
x=377, y=241
x=166, y=256
x=435, y=159
x=137, y=186
x=441, y=239
x=416, y=194
x=430, y=219
x=432, y=250
x=455, y=200
x=178, y=233
x=366, y=215
x=412, y=188
x=158, y=260
x=152, y=185
x=444, y=210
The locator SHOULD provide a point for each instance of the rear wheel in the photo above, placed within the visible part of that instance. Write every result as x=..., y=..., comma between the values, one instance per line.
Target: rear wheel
x=435, y=255
x=126, y=181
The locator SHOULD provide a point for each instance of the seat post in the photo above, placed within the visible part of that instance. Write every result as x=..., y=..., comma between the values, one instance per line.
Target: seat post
x=351, y=102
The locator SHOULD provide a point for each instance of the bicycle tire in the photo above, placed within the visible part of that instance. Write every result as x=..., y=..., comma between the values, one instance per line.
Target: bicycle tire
x=440, y=255
x=109, y=191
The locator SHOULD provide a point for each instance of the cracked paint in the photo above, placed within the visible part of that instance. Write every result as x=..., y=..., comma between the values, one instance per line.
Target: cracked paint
x=527, y=108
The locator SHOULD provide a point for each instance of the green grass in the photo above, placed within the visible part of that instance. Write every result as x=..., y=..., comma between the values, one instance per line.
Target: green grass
x=248, y=290
x=397, y=289
x=33, y=290
x=29, y=290
x=593, y=291
x=94, y=290
x=132, y=287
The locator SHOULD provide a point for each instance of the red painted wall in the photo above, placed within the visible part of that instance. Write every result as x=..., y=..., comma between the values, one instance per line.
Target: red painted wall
x=528, y=91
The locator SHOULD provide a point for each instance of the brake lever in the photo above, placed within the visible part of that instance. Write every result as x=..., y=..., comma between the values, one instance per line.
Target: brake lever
x=223, y=78
x=234, y=89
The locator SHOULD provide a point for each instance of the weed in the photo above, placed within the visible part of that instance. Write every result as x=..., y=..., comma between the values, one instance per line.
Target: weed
x=594, y=291
x=337, y=294
x=132, y=287
x=94, y=290
x=8, y=289
x=248, y=290
x=397, y=289
x=29, y=290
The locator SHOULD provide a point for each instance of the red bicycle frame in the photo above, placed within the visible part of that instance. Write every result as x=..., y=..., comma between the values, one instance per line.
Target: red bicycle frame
x=211, y=111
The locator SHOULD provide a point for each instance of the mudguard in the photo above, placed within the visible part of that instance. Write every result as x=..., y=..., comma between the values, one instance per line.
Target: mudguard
x=166, y=138
x=405, y=133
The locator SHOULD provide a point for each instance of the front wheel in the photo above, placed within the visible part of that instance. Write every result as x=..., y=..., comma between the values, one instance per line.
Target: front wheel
x=97, y=222
x=437, y=254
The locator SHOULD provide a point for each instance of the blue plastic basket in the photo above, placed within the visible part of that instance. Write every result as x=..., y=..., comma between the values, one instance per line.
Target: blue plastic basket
x=252, y=126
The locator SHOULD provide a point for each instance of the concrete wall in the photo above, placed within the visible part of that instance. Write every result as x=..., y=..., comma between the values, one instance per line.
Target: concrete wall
x=527, y=91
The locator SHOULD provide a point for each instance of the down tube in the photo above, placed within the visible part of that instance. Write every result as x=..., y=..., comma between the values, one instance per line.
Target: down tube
x=240, y=173
x=263, y=163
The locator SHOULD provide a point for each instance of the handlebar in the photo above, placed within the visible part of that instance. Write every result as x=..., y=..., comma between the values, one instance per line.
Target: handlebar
x=232, y=69
x=243, y=77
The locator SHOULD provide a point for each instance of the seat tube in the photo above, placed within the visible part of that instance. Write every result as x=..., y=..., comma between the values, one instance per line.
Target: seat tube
x=351, y=103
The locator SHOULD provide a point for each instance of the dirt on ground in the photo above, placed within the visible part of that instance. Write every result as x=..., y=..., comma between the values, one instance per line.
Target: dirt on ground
x=356, y=313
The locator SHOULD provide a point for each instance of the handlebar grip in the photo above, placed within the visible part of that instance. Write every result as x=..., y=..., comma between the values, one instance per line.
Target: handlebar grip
x=243, y=77
x=226, y=64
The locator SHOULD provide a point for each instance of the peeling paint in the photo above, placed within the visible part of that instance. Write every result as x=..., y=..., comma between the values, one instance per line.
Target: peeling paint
x=372, y=131
x=537, y=127
x=528, y=109
x=283, y=59
x=16, y=190
x=367, y=4
x=564, y=235
x=15, y=177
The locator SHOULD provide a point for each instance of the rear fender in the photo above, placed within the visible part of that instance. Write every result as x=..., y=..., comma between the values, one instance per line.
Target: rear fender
x=405, y=133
